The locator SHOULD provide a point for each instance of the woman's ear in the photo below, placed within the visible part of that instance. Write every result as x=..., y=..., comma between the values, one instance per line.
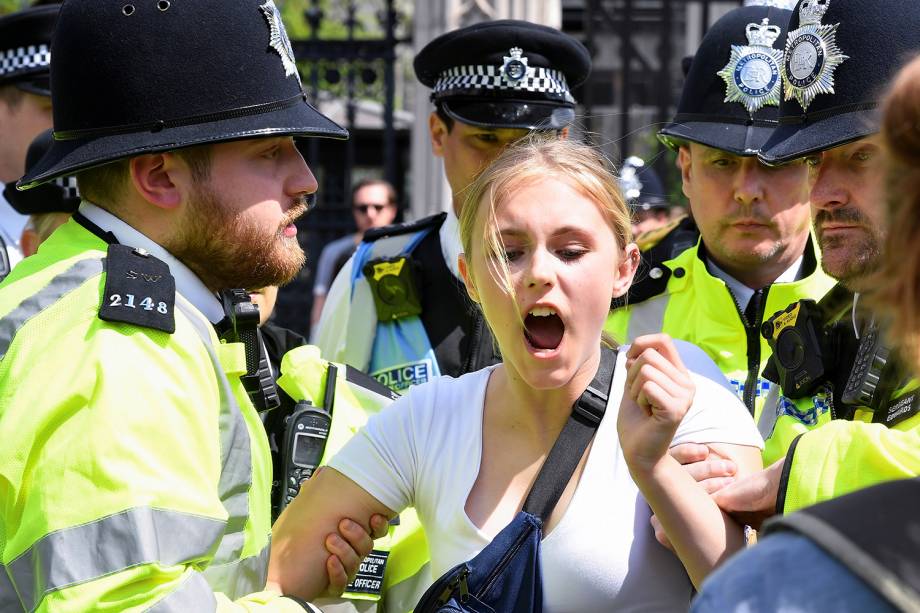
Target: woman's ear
x=467, y=279
x=626, y=270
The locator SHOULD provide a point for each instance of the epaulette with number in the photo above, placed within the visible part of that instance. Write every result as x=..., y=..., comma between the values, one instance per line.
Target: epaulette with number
x=139, y=289
x=433, y=221
x=660, y=245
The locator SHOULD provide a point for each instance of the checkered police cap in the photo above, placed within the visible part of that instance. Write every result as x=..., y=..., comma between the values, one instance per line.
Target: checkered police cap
x=25, y=48
x=514, y=74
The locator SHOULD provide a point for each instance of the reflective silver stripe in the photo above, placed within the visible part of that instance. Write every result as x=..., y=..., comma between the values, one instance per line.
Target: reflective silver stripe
x=9, y=598
x=647, y=317
x=67, y=281
x=240, y=577
x=236, y=464
x=193, y=594
x=110, y=544
x=403, y=596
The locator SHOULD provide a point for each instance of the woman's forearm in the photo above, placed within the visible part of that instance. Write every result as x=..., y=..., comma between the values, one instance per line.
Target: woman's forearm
x=702, y=536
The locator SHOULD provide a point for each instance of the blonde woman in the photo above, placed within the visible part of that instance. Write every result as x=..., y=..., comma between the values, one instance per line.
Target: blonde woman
x=546, y=238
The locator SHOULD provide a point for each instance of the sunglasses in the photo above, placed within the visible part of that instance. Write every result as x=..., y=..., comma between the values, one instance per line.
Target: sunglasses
x=363, y=208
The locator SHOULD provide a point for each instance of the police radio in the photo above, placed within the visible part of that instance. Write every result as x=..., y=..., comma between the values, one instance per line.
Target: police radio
x=241, y=325
x=802, y=348
x=305, y=436
x=871, y=380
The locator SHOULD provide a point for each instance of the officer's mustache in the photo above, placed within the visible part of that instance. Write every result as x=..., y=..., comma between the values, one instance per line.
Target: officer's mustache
x=299, y=208
x=846, y=216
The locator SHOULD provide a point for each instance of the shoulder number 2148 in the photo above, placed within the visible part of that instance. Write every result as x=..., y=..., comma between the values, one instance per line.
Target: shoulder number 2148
x=116, y=300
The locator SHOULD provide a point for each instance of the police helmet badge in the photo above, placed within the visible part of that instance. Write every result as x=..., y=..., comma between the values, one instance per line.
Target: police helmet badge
x=752, y=73
x=812, y=55
x=278, y=39
x=515, y=67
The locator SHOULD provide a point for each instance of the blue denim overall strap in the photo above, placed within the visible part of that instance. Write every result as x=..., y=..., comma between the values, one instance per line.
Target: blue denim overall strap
x=505, y=577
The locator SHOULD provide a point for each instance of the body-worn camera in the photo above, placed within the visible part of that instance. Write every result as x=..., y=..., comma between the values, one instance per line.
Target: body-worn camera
x=802, y=348
x=242, y=326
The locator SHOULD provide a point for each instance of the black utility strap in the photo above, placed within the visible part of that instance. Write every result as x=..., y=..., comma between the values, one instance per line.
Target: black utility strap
x=578, y=431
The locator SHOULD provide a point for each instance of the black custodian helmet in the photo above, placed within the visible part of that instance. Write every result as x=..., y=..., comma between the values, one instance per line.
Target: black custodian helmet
x=505, y=74
x=838, y=61
x=131, y=77
x=731, y=96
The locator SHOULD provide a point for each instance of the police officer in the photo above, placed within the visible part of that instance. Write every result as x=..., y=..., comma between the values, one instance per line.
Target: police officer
x=853, y=421
x=47, y=206
x=398, y=309
x=746, y=250
x=25, y=108
x=645, y=195
x=126, y=424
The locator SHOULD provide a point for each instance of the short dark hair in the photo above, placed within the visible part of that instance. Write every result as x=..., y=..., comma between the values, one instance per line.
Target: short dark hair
x=391, y=191
x=103, y=184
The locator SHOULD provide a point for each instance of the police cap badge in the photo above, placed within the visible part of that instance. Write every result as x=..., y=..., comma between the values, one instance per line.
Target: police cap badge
x=752, y=73
x=811, y=55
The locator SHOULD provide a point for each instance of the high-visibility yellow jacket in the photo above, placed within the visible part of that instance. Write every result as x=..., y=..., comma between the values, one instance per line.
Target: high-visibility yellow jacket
x=679, y=296
x=406, y=573
x=830, y=453
x=134, y=471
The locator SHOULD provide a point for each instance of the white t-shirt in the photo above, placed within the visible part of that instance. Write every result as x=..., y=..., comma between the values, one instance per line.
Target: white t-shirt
x=424, y=451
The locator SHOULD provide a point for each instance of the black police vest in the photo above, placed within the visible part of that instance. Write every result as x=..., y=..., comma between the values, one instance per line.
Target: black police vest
x=875, y=533
x=456, y=329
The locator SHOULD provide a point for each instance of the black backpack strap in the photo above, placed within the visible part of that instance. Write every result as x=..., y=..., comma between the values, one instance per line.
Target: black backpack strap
x=578, y=431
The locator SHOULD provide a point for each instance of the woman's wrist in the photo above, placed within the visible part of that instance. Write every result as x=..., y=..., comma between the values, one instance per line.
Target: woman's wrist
x=646, y=470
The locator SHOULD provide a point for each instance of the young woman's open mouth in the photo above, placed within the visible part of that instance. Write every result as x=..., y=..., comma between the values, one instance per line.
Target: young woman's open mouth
x=543, y=330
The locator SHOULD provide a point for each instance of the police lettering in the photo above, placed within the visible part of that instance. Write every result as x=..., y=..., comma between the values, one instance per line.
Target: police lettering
x=403, y=377
x=367, y=584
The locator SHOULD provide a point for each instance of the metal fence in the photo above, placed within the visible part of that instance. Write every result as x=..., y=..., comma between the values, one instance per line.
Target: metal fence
x=343, y=76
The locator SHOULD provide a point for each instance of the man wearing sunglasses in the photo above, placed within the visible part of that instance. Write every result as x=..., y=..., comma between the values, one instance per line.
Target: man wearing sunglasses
x=373, y=205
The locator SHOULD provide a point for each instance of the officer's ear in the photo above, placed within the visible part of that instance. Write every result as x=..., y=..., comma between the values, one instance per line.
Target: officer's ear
x=153, y=176
x=438, y=131
x=626, y=270
x=467, y=279
x=684, y=162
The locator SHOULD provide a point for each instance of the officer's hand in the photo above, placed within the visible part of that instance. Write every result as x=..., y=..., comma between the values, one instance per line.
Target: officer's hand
x=707, y=468
x=348, y=548
x=752, y=499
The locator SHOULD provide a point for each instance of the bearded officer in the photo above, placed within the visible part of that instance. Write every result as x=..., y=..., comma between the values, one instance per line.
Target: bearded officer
x=398, y=308
x=25, y=108
x=847, y=417
x=136, y=472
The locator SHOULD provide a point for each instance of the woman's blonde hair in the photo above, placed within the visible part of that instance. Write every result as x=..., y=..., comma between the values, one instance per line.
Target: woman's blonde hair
x=898, y=282
x=528, y=161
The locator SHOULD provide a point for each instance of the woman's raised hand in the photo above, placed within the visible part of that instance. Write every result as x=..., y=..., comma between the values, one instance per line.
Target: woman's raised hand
x=656, y=397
